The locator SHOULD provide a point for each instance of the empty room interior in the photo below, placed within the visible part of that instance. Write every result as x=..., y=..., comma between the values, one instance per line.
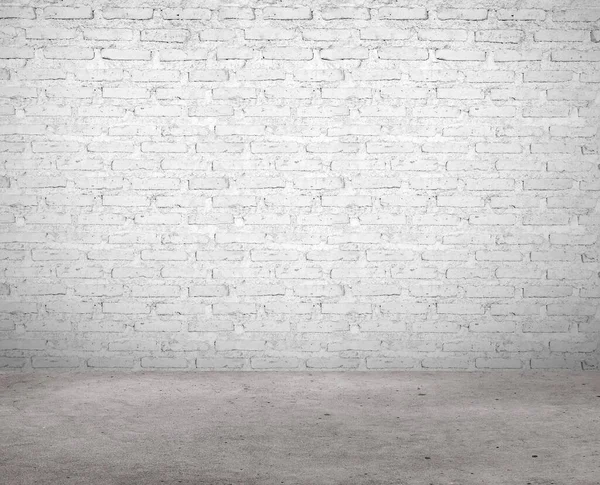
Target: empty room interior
x=325, y=242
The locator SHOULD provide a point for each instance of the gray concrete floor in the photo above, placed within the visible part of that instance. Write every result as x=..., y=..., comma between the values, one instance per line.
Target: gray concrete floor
x=299, y=428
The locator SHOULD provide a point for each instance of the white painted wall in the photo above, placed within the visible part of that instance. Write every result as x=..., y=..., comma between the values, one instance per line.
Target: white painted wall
x=312, y=186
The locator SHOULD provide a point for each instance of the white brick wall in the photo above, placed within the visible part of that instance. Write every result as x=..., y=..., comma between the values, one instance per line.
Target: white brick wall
x=317, y=185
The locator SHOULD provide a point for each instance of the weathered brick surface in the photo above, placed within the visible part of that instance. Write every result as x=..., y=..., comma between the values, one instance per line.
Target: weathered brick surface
x=314, y=185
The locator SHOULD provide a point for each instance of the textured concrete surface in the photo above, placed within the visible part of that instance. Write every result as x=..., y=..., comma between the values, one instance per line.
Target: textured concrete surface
x=300, y=428
x=324, y=184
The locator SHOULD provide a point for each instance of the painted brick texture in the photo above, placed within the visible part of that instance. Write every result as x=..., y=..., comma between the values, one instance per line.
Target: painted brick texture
x=316, y=185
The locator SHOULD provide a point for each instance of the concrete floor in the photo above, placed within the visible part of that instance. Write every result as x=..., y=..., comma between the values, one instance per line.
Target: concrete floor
x=300, y=428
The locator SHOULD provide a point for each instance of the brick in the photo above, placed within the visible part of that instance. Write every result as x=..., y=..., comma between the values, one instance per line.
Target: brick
x=506, y=219
x=443, y=35
x=100, y=111
x=460, y=309
x=126, y=307
x=217, y=35
x=299, y=93
x=127, y=13
x=186, y=13
x=565, y=131
x=287, y=53
x=126, y=54
x=164, y=147
x=125, y=93
x=345, y=13
x=177, y=55
x=504, y=36
x=547, y=76
x=220, y=363
x=268, y=34
x=112, y=362
x=75, y=53
x=493, y=112
x=489, y=291
x=164, y=35
x=344, y=53
x=445, y=363
x=499, y=363
x=236, y=13
x=462, y=14
x=54, y=362
x=164, y=362
x=576, y=15
x=403, y=53
x=459, y=55
x=498, y=148
x=108, y=34
x=234, y=93
x=515, y=309
x=521, y=14
x=274, y=363
x=49, y=33
x=563, y=309
x=459, y=93
x=10, y=12
x=570, y=94
x=548, y=111
x=16, y=53
x=561, y=36
x=382, y=33
x=517, y=56
x=575, y=56
x=346, y=309
x=68, y=13
x=13, y=362
x=287, y=13
x=210, y=111
x=400, y=13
